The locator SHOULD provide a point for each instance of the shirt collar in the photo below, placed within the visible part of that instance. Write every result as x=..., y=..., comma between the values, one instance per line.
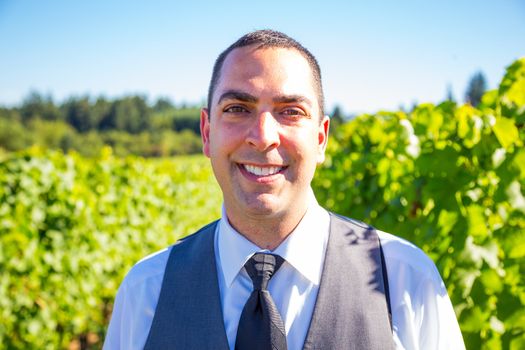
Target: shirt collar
x=304, y=249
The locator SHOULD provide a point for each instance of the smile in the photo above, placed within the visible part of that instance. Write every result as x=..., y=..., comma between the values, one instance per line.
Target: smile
x=262, y=171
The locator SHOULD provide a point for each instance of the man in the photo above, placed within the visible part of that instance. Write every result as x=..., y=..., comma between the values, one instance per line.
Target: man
x=323, y=282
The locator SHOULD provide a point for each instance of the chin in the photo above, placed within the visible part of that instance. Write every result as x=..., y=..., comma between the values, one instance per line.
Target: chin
x=263, y=205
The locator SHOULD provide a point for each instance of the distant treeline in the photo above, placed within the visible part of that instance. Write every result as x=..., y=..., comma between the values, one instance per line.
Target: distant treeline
x=130, y=125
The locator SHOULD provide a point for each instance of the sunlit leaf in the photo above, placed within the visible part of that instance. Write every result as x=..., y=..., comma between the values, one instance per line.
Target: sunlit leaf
x=506, y=132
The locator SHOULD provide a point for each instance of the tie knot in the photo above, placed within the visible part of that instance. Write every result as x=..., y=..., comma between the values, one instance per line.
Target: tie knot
x=261, y=267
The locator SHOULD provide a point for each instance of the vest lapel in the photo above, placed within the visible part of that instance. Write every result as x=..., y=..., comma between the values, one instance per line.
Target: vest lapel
x=351, y=310
x=189, y=313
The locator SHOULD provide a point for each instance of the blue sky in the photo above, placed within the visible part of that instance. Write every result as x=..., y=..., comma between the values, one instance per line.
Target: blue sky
x=373, y=54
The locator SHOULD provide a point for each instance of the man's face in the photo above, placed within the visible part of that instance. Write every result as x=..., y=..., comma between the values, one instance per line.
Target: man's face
x=264, y=134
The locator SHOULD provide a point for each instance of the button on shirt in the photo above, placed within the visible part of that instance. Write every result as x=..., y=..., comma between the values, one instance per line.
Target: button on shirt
x=422, y=315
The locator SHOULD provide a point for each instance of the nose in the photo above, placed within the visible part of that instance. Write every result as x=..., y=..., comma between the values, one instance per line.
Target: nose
x=264, y=133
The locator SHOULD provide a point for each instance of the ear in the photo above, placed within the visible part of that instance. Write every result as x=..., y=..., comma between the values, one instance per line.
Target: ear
x=205, y=131
x=324, y=127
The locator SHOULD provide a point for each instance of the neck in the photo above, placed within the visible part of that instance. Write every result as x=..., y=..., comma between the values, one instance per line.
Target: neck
x=266, y=232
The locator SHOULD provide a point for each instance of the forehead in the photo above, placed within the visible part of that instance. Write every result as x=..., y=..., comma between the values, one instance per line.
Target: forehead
x=267, y=71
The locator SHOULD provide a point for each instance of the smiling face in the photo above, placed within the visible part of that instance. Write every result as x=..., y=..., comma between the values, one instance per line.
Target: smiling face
x=264, y=134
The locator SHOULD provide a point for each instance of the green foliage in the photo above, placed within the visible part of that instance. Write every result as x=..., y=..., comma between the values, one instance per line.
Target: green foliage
x=128, y=124
x=38, y=106
x=78, y=114
x=70, y=228
x=452, y=180
x=187, y=118
x=130, y=114
x=476, y=88
x=14, y=136
x=337, y=117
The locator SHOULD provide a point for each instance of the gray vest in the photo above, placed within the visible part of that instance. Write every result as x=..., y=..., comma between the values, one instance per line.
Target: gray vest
x=351, y=309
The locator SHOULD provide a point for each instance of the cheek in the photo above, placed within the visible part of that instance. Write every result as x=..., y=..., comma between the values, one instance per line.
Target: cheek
x=306, y=145
x=308, y=153
x=223, y=140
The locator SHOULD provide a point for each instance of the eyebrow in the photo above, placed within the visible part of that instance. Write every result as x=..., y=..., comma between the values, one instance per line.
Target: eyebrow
x=246, y=97
x=292, y=99
x=237, y=95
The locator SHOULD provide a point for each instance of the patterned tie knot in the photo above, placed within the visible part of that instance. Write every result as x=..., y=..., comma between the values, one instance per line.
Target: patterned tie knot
x=261, y=267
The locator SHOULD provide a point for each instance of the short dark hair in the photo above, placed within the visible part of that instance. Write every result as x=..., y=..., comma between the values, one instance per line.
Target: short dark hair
x=268, y=38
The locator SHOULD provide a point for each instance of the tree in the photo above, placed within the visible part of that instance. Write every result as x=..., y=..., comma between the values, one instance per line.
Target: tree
x=130, y=114
x=476, y=88
x=450, y=94
x=336, y=117
x=163, y=104
x=186, y=117
x=78, y=114
x=36, y=105
x=99, y=111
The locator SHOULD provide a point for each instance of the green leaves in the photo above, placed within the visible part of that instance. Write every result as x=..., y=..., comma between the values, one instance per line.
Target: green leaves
x=512, y=87
x=452, y=180
x=476, y=221
x=71, y=227
x=506, y=132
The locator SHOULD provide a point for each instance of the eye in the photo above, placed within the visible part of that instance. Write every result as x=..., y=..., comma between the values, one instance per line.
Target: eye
x=235, y=109
x=294, y=112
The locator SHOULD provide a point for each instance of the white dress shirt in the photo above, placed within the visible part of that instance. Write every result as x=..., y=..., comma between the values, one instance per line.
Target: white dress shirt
x=422, y=315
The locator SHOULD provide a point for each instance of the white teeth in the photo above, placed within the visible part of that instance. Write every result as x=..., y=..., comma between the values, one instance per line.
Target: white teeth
x=262, y=171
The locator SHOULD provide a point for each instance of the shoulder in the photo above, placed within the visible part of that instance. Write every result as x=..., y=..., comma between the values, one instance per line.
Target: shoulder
x=407, y=265
x=135, y=303
x=138, y=294
x=147, y=269
x=423, y=316
x=152, y=267
x=403, y=253
x=399, y=253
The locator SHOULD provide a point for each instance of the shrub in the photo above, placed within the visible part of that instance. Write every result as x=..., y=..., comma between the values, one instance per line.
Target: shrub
x=71, y=227
x=450, y=179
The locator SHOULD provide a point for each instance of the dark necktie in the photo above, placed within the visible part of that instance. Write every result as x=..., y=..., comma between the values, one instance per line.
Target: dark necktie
x=261, y=326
